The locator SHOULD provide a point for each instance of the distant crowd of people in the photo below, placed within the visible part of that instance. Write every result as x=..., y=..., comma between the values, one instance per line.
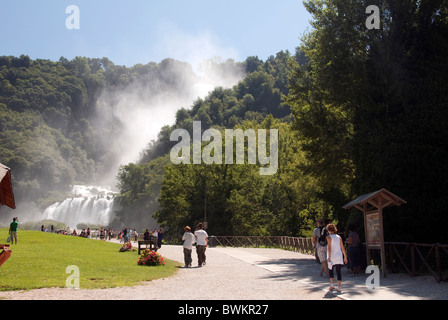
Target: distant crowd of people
x=124, y=236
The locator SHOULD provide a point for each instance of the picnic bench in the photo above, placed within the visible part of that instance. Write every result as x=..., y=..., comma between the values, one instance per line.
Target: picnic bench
x=5, y=254
x=152, y=243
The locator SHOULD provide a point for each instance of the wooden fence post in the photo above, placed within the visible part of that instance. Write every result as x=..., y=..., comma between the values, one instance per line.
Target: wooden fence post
x=439, y=265
x=412, y=249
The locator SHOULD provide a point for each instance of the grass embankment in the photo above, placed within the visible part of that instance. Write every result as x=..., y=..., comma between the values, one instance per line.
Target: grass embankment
x=40, y=260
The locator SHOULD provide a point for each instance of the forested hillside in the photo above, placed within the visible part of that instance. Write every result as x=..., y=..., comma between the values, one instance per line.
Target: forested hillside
x=64, y=122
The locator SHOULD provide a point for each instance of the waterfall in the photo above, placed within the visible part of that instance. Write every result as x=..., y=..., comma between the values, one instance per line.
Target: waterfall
x=88, y=204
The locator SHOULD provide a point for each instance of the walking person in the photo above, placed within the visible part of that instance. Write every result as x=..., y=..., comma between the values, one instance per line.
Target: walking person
x=154, y=237
x=201, y=244
x=159, y=238
x=336, y=256
x=354, y=250
x=13, y=229
x=316, y=235
x=188, y=238
x=320, y=239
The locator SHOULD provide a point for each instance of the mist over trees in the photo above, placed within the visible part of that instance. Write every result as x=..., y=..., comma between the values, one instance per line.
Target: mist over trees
x=63, y=123
x=144, y=185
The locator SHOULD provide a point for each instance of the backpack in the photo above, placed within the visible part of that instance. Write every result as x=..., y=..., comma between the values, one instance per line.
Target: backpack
x=323, y=236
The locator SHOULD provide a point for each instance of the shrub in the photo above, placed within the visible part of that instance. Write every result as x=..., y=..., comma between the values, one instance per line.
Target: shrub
x=150, y=258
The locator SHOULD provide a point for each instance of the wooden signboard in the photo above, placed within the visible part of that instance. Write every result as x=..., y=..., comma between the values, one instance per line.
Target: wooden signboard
x=372, y=205
x=374, y=232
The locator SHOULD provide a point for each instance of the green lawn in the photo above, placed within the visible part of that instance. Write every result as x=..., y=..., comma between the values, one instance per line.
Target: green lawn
x=40, y=260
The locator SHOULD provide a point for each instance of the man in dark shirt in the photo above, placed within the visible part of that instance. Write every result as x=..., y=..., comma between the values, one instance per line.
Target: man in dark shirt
x=13, y=229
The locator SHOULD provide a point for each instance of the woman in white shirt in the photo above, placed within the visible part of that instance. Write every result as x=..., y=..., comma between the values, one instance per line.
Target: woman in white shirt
x=336, y=256
x=188, y=238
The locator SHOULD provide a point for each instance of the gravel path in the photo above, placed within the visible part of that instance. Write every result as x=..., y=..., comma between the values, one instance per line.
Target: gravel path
x=248, y=274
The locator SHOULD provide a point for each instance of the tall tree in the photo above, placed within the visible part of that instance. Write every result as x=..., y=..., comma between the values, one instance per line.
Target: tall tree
x=366, y=103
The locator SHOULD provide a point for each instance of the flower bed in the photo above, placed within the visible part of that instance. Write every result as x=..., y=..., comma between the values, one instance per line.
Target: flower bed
x=150, y=258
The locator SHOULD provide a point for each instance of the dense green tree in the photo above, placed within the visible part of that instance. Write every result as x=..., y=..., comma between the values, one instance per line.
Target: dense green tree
x=365, y=106
x=240, y=201
x=139, y=192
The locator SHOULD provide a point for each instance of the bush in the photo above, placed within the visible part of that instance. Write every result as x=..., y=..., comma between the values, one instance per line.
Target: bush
x=150, y=258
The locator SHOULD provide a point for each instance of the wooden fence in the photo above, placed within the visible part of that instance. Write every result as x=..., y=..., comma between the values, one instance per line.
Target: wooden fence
x=417, y=259
x=248, y=241
x=302, y=245
x=413, y=258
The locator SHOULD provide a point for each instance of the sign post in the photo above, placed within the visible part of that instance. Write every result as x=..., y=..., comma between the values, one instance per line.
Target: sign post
x=372, y=206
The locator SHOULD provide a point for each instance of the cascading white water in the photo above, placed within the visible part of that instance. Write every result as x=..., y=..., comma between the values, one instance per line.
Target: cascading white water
x=89, y=204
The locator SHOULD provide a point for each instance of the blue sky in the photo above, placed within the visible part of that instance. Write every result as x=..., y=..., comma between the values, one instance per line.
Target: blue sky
x=141, y=31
